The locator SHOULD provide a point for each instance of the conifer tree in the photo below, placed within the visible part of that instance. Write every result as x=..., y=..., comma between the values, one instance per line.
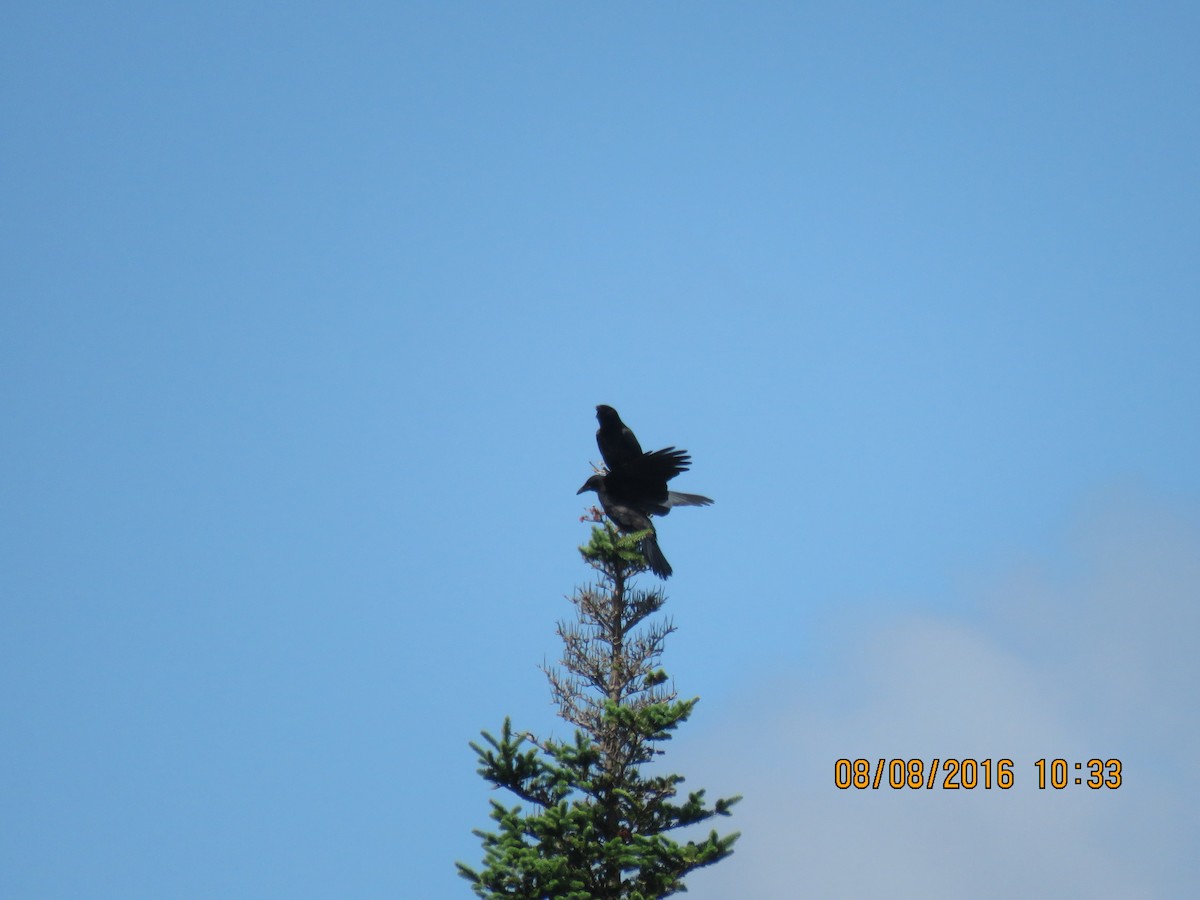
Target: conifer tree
x=590, y=824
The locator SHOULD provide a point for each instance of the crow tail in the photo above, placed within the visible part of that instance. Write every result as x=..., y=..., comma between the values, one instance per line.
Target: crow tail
x=654, y=557
x=675, y=498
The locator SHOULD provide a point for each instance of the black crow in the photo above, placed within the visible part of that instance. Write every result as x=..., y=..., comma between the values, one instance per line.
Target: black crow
x=637, y=478
x=629, y=519
x=622, y=452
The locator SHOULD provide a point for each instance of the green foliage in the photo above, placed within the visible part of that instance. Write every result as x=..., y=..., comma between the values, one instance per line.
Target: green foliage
x=590, y=824
x=608, y=548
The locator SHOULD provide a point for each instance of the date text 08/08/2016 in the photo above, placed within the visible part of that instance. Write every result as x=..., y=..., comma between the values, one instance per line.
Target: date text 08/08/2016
x=959, y=774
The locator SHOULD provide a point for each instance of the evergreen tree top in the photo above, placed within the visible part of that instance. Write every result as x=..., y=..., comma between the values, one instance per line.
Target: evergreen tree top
x=590, y=824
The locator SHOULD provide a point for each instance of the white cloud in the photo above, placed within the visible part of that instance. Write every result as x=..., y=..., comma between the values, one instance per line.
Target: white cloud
x=1091, y=655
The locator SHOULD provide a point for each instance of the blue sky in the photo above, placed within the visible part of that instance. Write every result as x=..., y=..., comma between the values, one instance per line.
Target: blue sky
x=306, y=311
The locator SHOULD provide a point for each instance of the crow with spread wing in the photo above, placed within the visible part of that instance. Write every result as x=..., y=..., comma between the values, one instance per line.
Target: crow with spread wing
x=641, y=478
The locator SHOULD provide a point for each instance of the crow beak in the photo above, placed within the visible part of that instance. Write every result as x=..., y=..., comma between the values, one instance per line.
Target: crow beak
x=581, y=490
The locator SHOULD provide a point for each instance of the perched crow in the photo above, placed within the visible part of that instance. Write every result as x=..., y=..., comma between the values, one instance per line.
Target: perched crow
x=630, y=519
x=635, y=486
